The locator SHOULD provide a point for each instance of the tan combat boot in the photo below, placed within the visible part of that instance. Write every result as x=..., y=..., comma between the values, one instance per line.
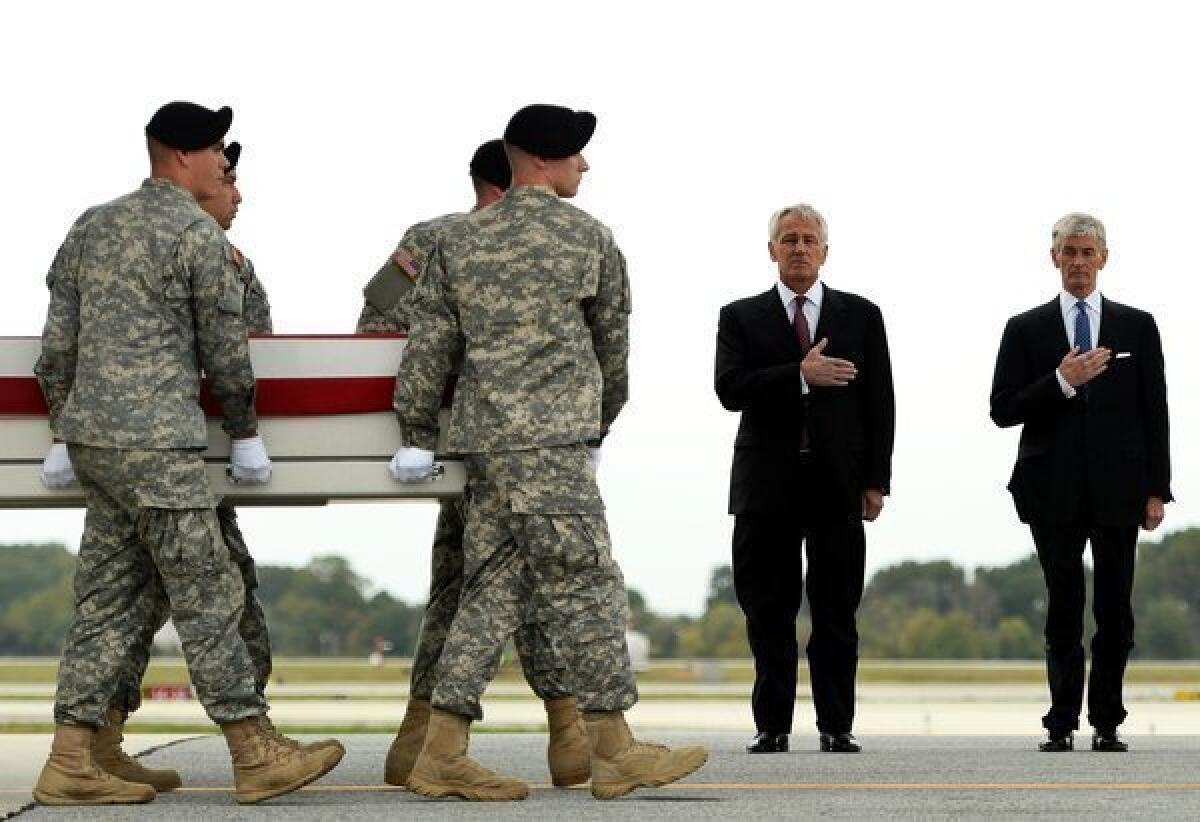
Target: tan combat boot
x=444, y=769
x=264, y=766
x=320, y=745
x=569, y=753
x=620, y=763
x=406, y=747
x=108, y=756
x=71, y=778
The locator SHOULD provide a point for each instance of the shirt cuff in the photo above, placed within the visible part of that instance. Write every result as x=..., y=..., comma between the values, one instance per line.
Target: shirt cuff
x=803, y=384
x=1067, y=389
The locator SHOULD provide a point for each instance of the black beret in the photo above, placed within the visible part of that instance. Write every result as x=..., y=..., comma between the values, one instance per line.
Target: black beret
x=233, y=153
x=552, y=132
x=189, y=127
x=490, y=164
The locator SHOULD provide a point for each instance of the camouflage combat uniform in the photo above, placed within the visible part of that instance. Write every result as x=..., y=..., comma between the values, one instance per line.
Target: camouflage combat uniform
x=531, y=297
x=388, y=307
x=143, y=295
x=256, y=314
x=256, y=311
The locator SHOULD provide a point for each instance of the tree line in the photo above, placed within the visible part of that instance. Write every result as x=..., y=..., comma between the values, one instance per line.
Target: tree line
x=911, y=610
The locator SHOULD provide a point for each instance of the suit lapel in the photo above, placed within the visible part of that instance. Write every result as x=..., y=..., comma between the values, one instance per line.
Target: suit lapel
x=1112, y=337
x=773, y=316
x=832, y=306
x=1052, y=329
x=1111, y=323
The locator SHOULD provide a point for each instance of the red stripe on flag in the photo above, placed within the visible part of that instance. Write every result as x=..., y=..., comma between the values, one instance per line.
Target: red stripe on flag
x=22, y=395
x=276, y=397
x=309, y=396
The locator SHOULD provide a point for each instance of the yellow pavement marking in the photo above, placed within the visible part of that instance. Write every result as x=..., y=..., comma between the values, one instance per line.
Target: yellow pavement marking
x=804, y=786
x=938, y=786
x=782, y=786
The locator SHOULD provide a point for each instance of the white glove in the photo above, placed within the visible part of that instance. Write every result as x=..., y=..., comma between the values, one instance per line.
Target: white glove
x=594, y=453
x=411, y=465
x=248, y=461
x=57, y=471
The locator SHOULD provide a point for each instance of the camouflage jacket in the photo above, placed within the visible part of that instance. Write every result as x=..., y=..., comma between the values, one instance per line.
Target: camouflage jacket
x=531, y=296
x=387, y=299
x=144, y=295
x=256, y=308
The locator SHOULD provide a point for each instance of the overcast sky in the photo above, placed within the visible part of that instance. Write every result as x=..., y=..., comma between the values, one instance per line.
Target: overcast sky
x=940, y=139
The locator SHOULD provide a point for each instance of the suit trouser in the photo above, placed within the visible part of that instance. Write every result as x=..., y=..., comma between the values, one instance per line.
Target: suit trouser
x=1060, y=552
x=768, y=578
x=540, y=661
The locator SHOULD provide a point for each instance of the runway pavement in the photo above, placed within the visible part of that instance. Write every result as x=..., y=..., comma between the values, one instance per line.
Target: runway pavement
x=898, y=777
x=926, y=709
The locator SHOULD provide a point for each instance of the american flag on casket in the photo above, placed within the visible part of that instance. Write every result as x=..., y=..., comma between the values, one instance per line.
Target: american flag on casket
x=325, y=411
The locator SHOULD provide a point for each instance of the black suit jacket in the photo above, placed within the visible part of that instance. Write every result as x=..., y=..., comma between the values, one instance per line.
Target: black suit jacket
x=1106, y=448
x=851, y=428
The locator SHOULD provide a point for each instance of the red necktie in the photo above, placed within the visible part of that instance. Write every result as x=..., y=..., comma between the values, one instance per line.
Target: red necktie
x=804, y=337
x=800, y=323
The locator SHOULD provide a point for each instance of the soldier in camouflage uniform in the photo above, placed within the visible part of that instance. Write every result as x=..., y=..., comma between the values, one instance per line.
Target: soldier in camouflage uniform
x=531, y=297
x=388, y=308
x=143, y=295
x=256, y=315
x=256, y=310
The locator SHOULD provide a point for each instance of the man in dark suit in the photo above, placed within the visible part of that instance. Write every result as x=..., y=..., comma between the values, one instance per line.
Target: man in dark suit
x=808, y=368
x=1084, y=377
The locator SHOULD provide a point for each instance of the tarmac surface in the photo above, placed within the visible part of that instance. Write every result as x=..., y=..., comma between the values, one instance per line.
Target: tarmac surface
x=898, y=777
x=881, y=710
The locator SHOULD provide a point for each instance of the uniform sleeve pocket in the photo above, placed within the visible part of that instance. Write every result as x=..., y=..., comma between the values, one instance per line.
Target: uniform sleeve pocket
x=232, y=300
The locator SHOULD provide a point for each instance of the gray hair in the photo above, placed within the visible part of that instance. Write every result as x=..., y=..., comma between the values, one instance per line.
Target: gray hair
x=1078, y=225
x=802, y=210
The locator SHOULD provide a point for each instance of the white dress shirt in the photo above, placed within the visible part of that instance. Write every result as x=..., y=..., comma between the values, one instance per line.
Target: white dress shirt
x=1069, y=304
x=811, y=301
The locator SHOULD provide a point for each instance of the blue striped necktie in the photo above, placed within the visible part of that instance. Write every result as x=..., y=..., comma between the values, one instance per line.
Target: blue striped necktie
x=1083, y=337
x=1083, y=328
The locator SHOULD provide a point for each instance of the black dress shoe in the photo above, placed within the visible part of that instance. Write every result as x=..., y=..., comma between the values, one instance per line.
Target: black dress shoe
x=768, y=743
x=839, y=743
x=1108, y=742
x=1058, y=743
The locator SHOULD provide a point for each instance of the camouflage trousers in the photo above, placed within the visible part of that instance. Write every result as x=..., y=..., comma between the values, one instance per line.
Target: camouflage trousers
x=544, y=668
x=151, y=528
x=536, y=543
x=252, y=627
